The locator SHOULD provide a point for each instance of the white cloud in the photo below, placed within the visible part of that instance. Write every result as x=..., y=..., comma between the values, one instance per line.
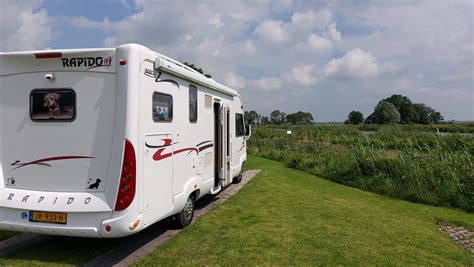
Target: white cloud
x=23, y=26
x=332, y=33
x=272, y=30
x=319, y=19
x=355, y=64
x=304, y=75
x=319, y=43
x=234, y=81
x=216, y=21
x=266, y=84
x=277, y=44
x=83, y=22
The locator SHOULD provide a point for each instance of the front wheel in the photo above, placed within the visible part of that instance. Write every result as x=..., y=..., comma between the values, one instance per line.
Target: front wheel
x=238, y=178
x=185, y=217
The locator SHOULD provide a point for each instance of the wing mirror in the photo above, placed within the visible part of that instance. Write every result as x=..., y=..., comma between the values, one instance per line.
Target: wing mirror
x=248, y=131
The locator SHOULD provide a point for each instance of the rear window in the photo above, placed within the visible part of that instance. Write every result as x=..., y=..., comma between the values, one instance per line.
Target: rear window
x=162, y=107
x=52, y=105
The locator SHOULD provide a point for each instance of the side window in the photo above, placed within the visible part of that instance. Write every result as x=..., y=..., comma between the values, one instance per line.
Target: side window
x=193, y=107
x=239, y=125
x=48, y=105
x=162, y=107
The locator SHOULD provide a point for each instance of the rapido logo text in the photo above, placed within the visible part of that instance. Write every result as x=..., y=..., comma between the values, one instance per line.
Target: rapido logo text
x=87, y=62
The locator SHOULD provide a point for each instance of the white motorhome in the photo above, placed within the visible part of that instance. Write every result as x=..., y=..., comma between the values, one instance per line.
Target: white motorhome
x=106, y=142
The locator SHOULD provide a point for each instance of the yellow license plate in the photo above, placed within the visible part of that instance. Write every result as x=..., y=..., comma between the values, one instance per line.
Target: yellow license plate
x=48, y=217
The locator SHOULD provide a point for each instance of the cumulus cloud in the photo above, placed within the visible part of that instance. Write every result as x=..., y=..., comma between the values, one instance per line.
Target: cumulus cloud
x=319, y=43
x=83, y=22
x=216, y=21
x=296, y=77
x=277, y=44
x=332, y=33
x=23, y=26
x=266, y=84
x=304, y=75
x=272, y=30
x=234, y=81
x=311, y=19
x=355, y=64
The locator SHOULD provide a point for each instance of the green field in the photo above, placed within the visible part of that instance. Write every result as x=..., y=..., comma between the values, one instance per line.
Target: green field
x=286, y=217
x=401, y=161
x=289, y=217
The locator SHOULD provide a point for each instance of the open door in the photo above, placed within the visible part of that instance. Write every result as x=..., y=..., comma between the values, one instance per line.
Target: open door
x=222, y=148
x=226, y=146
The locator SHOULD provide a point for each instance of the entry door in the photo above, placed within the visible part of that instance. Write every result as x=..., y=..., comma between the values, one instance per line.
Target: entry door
x=158, y=175
x=226, y=145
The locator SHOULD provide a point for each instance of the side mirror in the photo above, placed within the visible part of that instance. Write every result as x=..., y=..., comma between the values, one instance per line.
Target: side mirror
x=248, y=131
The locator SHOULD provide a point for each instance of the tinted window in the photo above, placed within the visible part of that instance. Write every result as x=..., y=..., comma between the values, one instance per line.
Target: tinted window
x=239, y=125
x=52, y=105
x=193, y=108
x=162, y=107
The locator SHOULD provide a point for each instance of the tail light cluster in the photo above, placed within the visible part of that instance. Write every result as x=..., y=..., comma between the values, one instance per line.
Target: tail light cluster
x=128, y=178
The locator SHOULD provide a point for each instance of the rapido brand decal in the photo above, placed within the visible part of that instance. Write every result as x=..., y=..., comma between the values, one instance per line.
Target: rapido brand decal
x=87, y=62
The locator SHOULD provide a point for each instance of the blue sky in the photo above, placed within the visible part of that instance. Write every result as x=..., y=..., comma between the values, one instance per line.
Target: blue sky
x=326, y=57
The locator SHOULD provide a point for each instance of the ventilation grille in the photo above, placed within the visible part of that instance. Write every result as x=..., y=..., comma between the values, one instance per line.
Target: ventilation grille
x=207, y=101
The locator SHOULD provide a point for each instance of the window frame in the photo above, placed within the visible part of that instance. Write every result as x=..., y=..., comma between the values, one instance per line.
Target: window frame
x=152, y=107
x=67, y=89
x=196, y=103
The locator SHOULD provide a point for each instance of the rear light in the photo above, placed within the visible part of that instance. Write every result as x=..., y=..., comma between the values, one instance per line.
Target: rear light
x=126, y=191
x=48, y=55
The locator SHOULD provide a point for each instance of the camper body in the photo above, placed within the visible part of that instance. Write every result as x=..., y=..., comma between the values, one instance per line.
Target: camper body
x=106, y=142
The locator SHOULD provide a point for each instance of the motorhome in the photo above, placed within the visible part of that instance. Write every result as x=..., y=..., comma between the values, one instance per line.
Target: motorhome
x=106, y=142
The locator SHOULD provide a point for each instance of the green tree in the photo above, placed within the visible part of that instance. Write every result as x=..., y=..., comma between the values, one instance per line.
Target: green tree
x=385, y=113
x=300, y=117
x=251, y=117
x=192, y=66
x=277, y=117
x=404, y=106
x=436, y=117
x=426, y=114
x=265, y=120
x=355, y=117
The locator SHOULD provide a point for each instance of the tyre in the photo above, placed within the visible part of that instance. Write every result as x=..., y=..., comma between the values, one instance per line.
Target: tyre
x=185, y=217
x=238, y=178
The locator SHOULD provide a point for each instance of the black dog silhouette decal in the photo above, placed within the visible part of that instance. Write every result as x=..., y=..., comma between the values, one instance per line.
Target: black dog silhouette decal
x=95, y=185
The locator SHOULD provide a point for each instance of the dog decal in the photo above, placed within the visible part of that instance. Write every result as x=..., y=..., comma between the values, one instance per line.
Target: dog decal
x=95, y=185
x=51, y=101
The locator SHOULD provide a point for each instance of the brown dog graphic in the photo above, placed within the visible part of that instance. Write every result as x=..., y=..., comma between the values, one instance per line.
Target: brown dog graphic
x=51, y=101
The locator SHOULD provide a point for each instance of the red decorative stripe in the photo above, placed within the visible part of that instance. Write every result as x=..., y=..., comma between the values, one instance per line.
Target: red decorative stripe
x=40, y=161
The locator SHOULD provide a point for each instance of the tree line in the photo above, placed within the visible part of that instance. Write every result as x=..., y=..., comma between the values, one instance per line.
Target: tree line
x=397, y=109
x=393, y=109
x=278, y=117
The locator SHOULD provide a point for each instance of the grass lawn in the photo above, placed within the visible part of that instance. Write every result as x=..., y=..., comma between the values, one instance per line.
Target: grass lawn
x=288, y=217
